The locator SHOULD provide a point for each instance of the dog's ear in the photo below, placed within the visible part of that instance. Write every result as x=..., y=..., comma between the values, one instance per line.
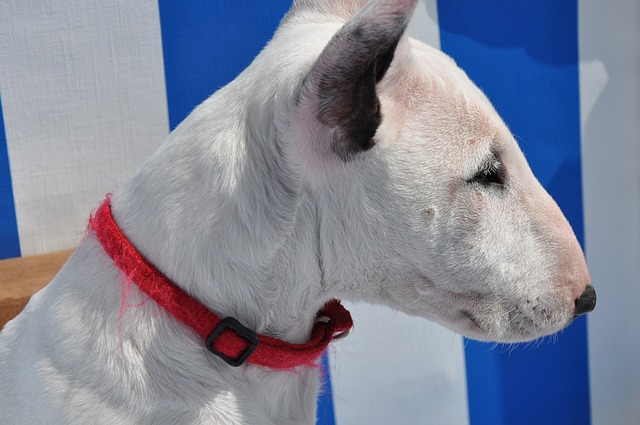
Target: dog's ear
x=340, y=89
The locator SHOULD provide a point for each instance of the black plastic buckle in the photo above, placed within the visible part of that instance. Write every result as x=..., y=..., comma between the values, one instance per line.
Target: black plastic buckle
x=240, y=329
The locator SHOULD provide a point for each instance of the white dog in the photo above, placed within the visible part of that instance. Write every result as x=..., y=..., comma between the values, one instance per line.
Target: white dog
x=347, y=161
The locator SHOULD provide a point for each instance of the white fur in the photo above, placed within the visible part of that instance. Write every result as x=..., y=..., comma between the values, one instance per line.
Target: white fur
x=247, y=208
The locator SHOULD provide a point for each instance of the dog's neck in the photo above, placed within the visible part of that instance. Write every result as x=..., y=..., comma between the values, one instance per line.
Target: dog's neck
x=268, y=298
x=211, y=225
x=271, y=299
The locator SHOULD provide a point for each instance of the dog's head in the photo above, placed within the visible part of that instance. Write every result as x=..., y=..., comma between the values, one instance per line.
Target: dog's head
x=424, y=200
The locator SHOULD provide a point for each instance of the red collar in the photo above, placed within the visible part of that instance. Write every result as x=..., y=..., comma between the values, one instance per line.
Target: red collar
x=226, y=338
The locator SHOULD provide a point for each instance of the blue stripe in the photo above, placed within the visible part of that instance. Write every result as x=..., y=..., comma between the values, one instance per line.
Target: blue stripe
x=326, y=411
x=524, y=55
x=9, y=239
x=206, y=45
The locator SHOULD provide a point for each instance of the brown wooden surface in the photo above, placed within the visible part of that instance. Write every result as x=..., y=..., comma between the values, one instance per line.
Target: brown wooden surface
x=22, y=277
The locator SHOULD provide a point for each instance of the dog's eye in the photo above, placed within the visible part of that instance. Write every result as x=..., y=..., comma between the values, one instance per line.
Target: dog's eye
x=492, y=174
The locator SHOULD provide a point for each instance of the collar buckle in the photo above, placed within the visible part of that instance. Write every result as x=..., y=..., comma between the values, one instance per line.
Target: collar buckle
x=247, y=334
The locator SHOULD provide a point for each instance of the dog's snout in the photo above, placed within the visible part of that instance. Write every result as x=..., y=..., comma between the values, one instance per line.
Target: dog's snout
x=586, y=302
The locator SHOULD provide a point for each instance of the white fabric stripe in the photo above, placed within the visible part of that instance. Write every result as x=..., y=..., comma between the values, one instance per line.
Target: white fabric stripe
x=424, y=24
x=610, y=102
x=84, y=101
x=396, y=369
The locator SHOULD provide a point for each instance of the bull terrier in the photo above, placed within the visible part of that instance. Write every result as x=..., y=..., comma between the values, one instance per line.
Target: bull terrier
x=348, y=161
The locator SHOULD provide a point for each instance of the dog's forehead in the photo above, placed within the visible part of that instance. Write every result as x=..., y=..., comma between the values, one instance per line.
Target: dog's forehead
x=440, y=104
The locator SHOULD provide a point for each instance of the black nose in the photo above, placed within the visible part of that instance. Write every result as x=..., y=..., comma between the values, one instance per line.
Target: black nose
x=586, y=302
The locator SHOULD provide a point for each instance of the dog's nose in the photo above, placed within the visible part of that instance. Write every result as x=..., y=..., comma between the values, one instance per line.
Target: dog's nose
x=586, y=302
